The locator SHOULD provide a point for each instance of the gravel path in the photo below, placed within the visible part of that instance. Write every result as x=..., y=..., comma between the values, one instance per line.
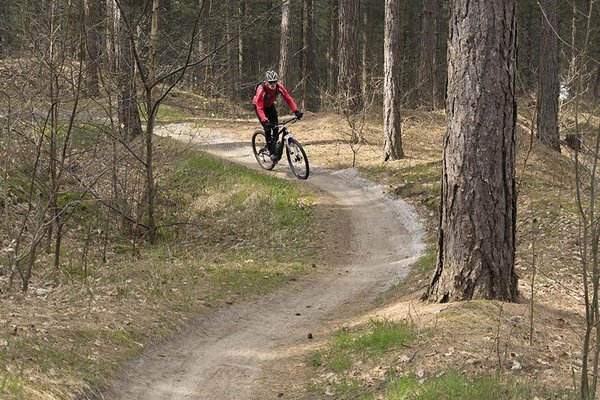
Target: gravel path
x=251, y=350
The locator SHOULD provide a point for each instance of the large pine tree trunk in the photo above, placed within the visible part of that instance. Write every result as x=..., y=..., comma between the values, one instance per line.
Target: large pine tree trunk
x=348, y=77
x=430, y=90
x=332, y=48
x=309, y=70
x=366, y=50
x=410, y=40
x=93, y=22
x=548, y=83
x=528, y=22
x=129, y=116
x=151, y=110
x=478, y=205
x=249, y=51
x=284, y=44
x=111, y=44
x=231, y=69
x=202, y=72
x=242, y=38
x=391, y=84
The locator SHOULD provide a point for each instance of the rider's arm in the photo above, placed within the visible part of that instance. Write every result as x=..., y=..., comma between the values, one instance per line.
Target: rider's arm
x=259, y=102
x=288, y=99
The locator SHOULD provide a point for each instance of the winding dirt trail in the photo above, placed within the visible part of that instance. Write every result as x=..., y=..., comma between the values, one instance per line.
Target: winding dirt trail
x=252, y=350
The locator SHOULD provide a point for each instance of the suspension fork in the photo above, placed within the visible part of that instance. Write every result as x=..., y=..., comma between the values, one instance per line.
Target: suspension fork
x=286, y=139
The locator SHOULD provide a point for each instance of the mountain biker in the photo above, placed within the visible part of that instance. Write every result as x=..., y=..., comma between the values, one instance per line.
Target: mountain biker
x=264, y=105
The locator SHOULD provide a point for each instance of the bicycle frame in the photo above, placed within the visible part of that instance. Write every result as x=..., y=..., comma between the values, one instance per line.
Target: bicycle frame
x=285, y=134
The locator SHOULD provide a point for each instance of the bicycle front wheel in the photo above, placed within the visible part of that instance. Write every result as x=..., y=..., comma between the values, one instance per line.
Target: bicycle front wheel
x=297, y=159
x=261, y=152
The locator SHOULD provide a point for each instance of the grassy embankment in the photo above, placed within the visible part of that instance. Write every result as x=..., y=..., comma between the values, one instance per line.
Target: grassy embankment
x=479, y=349
x=73, y=330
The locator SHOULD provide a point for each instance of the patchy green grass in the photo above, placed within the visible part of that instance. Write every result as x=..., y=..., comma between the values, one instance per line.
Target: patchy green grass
x=426, y=263
x=375, y=339
x=545, y=193
x=87, y=135
x=349, y=367
x=18, y=184
x=170, y=114
x=351, y=389
x=186, y=106
x=456, y=386
x=419, y=183
x=226, y=234
x=420, y=270
x=348, y=347
x=350, y=350
x=13, y=385
x=218, y=198
x=58, y=366
x=244, y=234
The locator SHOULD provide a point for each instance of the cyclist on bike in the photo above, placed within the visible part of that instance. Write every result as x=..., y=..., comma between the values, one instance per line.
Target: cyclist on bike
x=264, y=105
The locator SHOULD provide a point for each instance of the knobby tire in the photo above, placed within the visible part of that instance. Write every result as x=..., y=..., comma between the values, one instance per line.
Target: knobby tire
x=297, y=159
x=261, y=153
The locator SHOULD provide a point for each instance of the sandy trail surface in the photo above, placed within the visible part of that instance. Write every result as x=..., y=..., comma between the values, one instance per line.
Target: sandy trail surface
x=253, y=350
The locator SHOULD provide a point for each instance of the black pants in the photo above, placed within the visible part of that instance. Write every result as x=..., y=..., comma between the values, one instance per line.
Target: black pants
x=272, y=136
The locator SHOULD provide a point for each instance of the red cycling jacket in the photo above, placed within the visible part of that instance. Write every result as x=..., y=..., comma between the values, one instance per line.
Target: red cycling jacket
x=265, y=97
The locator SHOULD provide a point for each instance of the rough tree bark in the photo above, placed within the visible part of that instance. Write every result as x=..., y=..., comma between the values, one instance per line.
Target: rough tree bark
x=392, y=149
x=332, y=47
x=478, y=204
x=309, y=70
x=241, y=43
x=111, y=44
x=548, y=80
x=284, y=44
x=366, y=50
x=92, y=24
x=430, y=90
x=152, y=109
x=202, y=72
x=249, y=50
x=230, y=69
x=349, y=69
x=129, y=116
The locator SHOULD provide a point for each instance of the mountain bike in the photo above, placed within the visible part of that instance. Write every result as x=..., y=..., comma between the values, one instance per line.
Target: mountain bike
x=296, y=155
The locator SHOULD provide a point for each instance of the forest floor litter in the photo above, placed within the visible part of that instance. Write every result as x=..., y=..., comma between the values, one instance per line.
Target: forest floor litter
x=260, y=349
x=477, y=337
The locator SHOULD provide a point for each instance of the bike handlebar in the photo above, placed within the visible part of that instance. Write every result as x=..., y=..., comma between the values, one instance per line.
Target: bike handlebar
x=290, y=121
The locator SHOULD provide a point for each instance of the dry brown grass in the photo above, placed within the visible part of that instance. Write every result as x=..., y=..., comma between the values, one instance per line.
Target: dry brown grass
x=478, y=337
x=474, y=336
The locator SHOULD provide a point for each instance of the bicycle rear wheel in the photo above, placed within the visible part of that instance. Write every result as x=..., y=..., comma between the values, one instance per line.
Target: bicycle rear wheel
x=297, y=159
x=261, y=152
